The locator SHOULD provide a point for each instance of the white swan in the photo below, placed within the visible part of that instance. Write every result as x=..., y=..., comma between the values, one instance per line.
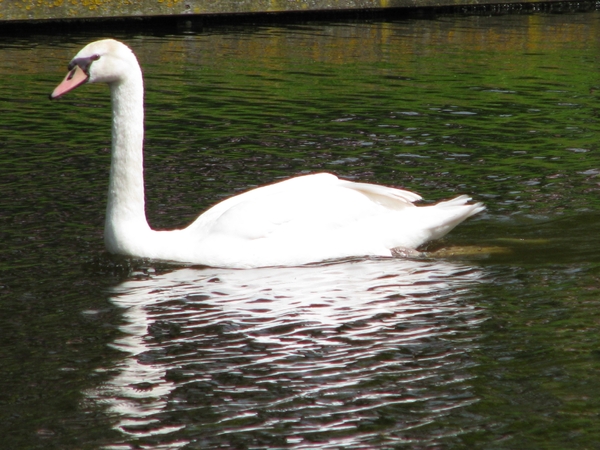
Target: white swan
x=298, y=221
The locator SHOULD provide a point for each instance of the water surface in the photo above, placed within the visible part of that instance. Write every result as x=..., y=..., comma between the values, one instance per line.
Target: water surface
x=494, y=346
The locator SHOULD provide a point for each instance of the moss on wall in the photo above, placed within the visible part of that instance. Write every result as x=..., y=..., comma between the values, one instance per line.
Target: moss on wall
x=18, y=10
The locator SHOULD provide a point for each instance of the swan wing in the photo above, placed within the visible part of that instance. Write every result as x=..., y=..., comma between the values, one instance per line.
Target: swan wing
x=392, y=198
x=312, y=201
x=300, y=220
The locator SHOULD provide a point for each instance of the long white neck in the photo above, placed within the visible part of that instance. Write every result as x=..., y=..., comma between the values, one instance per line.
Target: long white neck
x=125, y=213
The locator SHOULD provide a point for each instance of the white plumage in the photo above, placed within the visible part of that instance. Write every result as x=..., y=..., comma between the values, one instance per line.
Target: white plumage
x=301, y=220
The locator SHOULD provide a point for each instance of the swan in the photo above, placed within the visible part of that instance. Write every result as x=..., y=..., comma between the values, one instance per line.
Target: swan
x=301, y=220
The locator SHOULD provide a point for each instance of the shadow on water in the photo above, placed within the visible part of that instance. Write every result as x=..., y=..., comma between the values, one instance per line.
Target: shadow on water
x=327, y=356
x=527, y=241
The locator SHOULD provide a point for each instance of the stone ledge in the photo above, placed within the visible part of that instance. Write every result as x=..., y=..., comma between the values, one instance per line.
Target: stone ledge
x=58, y=10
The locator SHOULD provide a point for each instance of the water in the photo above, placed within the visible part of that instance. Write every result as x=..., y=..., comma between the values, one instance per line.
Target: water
x=493, y=344
x=319, y=357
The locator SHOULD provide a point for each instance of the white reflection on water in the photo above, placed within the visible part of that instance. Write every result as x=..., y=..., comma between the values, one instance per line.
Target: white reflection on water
x=345, y=354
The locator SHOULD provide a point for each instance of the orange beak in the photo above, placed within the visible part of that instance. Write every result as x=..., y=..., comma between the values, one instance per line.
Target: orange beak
x=75, y=78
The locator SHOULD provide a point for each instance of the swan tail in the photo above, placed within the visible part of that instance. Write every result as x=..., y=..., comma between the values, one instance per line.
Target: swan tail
x=462, y=201
x=450, y=213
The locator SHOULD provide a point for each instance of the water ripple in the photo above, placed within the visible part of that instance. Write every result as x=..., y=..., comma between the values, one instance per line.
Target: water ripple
x=350, y=354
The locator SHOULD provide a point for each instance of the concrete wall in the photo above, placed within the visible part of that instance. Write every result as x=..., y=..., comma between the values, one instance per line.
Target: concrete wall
x=33, y=10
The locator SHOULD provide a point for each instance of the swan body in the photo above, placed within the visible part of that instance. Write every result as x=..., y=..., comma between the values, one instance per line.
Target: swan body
x=301, y=220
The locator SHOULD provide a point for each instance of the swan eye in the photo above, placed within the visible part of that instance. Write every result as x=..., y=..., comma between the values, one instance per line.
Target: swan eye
x=84, y=63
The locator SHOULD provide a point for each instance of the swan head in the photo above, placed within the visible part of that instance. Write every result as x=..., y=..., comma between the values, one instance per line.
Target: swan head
x=105, y=61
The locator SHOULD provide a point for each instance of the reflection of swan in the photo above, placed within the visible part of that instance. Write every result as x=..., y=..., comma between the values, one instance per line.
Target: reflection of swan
x=305, y=219
x=293, y=352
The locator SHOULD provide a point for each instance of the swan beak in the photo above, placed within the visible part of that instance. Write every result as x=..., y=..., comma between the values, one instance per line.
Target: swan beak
x=75, y=78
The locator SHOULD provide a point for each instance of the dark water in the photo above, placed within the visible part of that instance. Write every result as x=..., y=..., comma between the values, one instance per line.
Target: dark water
x=495, y=346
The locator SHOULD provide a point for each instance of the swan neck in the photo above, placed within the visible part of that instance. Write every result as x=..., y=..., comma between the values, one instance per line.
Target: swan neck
x=126, y=208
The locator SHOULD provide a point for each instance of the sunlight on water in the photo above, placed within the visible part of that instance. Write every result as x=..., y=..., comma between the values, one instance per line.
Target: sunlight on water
x=490, y=341
x=326, y=348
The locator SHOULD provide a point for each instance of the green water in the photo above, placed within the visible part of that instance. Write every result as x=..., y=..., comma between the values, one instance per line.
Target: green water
x=496, y=348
